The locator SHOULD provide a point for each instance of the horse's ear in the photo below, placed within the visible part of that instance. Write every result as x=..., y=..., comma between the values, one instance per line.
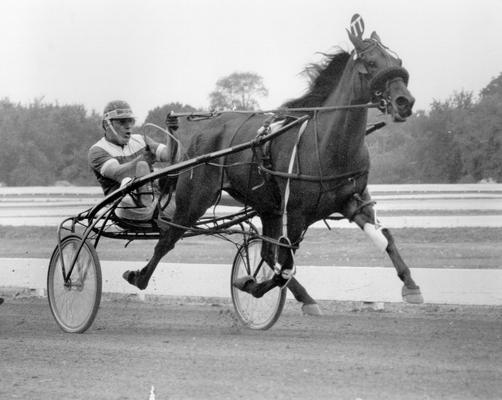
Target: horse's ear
x=357, y=42
x=375, y=37
x=360, y=67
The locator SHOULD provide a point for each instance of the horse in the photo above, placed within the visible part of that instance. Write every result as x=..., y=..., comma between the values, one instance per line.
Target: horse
x=302, y=176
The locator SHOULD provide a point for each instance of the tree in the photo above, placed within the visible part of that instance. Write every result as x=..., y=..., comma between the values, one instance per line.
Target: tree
x=43, y=143
x=158, y=115
x=439, y=145
x=485, y=144
x=238, y=91
x=493, y=88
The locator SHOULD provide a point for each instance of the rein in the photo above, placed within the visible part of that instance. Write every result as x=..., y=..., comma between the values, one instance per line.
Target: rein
x=196, y=116
x=287, y=175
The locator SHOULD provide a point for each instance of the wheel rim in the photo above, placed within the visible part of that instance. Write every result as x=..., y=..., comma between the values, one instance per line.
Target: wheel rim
x=256, y=313
x=74, y=306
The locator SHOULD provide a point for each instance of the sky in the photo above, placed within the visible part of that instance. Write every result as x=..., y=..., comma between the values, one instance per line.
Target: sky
x=153, y=52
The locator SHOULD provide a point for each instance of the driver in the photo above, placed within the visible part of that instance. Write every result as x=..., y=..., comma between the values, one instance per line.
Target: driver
x=121, y=156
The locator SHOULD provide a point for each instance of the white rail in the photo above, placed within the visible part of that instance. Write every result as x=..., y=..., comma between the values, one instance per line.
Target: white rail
x=412, y=188
x=378, y=284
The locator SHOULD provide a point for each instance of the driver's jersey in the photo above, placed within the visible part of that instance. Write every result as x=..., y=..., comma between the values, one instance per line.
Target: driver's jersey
x=104, y=152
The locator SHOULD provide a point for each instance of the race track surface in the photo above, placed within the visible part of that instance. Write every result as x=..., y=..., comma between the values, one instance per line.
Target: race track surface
x=190, y=350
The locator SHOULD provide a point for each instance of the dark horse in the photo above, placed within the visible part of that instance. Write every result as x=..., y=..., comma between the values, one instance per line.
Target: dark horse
x=330, y=166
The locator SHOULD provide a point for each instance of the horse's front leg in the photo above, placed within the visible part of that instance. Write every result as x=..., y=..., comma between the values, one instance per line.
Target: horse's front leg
x=271, y=228
x=365, y=219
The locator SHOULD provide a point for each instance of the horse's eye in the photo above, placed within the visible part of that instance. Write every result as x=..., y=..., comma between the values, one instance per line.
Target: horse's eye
x=372, y=64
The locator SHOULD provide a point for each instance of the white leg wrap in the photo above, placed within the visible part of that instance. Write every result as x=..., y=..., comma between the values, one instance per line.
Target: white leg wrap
x=286, y=274
x=376, y=235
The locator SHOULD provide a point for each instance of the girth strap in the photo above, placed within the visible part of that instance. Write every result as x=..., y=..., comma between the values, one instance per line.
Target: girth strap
x=290, y=171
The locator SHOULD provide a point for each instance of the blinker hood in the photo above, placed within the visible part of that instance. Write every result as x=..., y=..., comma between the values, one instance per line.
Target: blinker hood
x=379, y=81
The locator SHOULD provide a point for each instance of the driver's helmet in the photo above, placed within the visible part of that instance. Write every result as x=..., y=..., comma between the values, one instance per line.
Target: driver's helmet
x=117, y=109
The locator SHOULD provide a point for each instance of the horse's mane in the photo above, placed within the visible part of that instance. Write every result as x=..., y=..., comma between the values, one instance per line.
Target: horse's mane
x=324, y=77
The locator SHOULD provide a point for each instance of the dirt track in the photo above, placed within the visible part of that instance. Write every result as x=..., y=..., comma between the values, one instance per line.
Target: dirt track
x=199, y=351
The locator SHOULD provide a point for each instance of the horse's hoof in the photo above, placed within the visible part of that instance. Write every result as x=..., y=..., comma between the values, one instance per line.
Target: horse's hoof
x=412, y=296
x=312, y=309
x=243, y=283
x=133, y=278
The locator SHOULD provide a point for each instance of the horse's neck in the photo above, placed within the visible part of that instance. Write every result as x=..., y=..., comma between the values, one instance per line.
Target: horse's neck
x=342, y=132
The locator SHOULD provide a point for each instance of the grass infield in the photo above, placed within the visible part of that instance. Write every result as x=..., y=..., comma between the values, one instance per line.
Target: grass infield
x=420, y=248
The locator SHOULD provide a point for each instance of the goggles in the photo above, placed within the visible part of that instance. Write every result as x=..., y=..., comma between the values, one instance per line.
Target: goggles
x=124, y=121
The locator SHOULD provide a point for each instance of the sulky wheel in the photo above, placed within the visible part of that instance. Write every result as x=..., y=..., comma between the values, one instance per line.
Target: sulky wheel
x=255, y=313
x=74, y=304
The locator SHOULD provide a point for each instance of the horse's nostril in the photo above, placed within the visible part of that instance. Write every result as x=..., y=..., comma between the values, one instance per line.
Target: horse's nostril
x=402, y=102
x=404, y=106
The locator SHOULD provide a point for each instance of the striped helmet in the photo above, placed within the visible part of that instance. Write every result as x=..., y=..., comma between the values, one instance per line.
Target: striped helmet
x=117, y=109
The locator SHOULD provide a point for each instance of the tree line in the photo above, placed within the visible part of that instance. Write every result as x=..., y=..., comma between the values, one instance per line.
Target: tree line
x=458, y=141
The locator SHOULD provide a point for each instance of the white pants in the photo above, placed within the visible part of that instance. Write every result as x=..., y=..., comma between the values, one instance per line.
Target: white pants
x=128, y=209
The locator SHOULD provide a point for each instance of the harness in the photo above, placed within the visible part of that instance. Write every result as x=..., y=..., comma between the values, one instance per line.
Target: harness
x=262, y=151
x=263, y=157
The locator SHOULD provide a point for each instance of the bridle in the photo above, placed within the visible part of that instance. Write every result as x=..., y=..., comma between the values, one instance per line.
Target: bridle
x=379, y=84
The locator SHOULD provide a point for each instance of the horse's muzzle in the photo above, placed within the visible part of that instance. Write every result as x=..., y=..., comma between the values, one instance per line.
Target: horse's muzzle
x=391, y=85
x=401, y=100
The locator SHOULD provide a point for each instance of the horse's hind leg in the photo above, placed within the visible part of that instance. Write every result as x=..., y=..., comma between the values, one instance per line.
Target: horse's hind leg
x=383, y=239
x=192, y=200
x=165, y=244
x=309, y=306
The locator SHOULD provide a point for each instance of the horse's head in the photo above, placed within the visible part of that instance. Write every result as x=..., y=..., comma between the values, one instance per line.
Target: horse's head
x=387, y=79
